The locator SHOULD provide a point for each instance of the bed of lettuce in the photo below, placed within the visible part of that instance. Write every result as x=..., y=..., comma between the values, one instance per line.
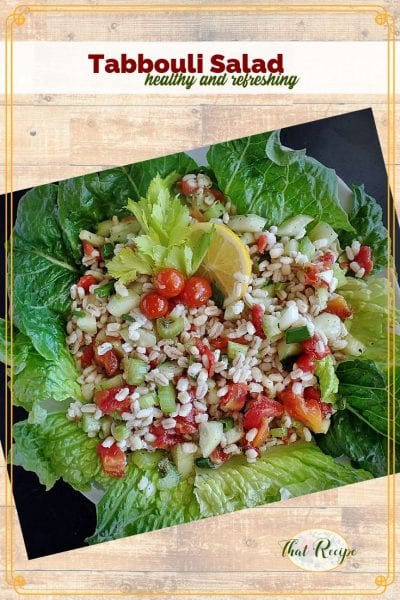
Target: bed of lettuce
x=259, y=176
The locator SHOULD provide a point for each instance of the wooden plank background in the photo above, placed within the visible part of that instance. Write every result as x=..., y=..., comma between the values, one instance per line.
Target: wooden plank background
x=67, y=135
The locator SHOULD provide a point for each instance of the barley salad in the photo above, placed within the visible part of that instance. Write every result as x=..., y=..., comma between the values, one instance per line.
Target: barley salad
x=202, y=339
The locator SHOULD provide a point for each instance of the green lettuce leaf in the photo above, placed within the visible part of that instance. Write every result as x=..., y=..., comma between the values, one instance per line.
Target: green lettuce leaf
x=328, y=382
x=125, y=510
x=283, y=472
x=57, y=448
x=369, y=299
x=20, y=350
x=350, y=436
x=363, y=386
x=261, y=176
x=366, y=217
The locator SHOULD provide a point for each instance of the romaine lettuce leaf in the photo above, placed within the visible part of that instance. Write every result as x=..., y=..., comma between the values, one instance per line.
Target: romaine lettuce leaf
x=126, y=510
x=21, y=348
x=366, y=217
x=350, y=436
x=57, y=448
x=328, y=382
x=364, y=388
x=283, y=472
x=369, y=300
x=261, y=176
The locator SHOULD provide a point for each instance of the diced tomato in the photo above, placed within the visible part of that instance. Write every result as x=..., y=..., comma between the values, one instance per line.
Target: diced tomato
x=306, y=362
x=235, y=398
x=257, y=313
x=220, y=343
x=364, y=259
x=113, y=460
x=316, y=347
x=311, y=394
x=165, y=438
x=188, y=186
x=311, y=275
x=260, y=408
x=218, y=195
x=339, y=307
x=86, y=281
x=109, y=361
x=262, y=243
x=106, y=401
x=87, y=248
x=328, y=259
x=307, y=412
x=187, y=425
x=87, y=356
x=218, y=456
x=205, y=351
x=262, y=433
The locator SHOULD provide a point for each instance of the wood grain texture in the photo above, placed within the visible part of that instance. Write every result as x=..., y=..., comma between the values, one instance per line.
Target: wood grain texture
x=62, y=136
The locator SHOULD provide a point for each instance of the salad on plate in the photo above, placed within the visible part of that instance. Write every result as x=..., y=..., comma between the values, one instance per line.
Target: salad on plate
x=189, y=341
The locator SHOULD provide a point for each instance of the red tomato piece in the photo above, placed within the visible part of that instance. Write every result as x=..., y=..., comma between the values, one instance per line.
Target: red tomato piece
x=235, y=398
x=307, y=412
x=109, y=361
x=86, y=281
x=113, y=460
x=87, y=356
x=218, y=456
x=106, y=401
x=364, y=259
x=205, y=351
x=328, y=259
x=196, y=292
x=262, y=243
x=311, y=275
x=165, y=438
x=220, y=343
x=188, y=186
x=316, y=347
x=169, y=282
x=312, y=394
x=262, y=434
x=259, y=409
x=87, y=248
x=257, y=313
x=187, y=425
x=153, y=305
x=339, y=307
x=218, y=195
x=306, y=362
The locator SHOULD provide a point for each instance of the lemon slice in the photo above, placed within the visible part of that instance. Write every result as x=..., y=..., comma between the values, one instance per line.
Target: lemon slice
x=226, y=256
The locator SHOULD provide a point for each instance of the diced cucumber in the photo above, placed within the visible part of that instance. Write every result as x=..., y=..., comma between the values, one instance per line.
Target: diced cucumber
x=210, y=435
x=234, y=349
x=120, y=431
x=90, y=424
x=293, y=226
x=147, y=339
x=169, y=328
x=289, y=315
x=92, y=238
x=119, y=305
x=323, y=296
x=323, y=231
x=106, y=384
x=105, y=290
x=270, y=325
x=184, y=462
x=104, y=228
x=171, y=477
x=291, y=246
x=145, y=459
x=340, y=275
x=286, y=350
x=137, y=370
x=87, y=324
x=105, y=425
x=306, y=247
x=170, y=369
x=245, y=223
x=148, y=400
x=78, y=313
x=278, y=432
x=119, y=232
x=215, y=211
x=297, y=334
x=227, y=423
x=354, y=347
x=328, y=324
x=167, y=398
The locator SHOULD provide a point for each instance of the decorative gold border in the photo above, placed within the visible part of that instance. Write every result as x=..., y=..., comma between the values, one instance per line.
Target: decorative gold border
x=383, y=18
